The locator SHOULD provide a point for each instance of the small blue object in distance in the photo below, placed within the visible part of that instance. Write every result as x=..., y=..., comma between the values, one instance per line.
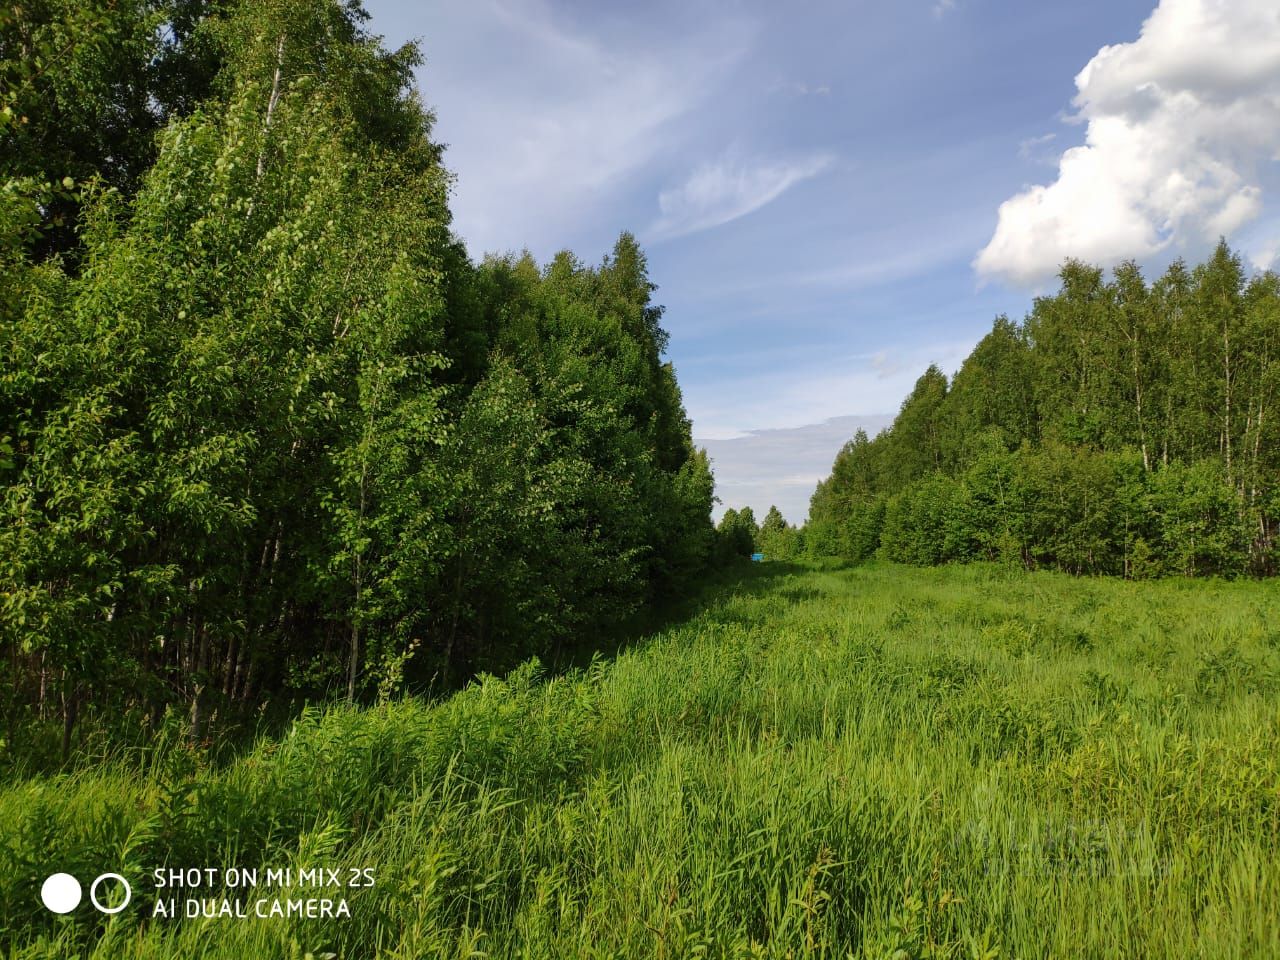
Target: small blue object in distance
x=757, y=557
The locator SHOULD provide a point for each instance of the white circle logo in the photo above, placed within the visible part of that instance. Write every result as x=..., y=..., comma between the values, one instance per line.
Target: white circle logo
x=93, y=893
x=61, y=892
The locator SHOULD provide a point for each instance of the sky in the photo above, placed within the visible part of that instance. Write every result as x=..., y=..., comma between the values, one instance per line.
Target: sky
x=833, y=195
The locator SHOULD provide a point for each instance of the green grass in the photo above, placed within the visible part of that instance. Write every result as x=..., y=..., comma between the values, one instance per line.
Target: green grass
x=878, y=762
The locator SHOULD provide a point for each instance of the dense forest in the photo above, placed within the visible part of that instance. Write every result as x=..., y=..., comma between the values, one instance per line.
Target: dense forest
x=1125, y=427
x=266, y=432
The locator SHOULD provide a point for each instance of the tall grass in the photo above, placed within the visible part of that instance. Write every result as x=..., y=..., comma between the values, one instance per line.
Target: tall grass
x=879, y=762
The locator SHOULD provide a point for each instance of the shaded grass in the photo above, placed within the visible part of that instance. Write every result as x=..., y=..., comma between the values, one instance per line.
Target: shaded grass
x=873, y=762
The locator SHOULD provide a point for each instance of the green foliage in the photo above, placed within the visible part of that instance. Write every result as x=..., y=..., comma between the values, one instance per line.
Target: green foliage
x=1199, y=521
x=85, y=88
x=873, y=762
x=846, y=512
x=1124, y=428
x=266, y=433
x=778, y=540
x=989, y=403
x=738, y=533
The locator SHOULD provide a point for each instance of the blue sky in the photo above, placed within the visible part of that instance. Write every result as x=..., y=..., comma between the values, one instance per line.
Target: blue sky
x=834, y=195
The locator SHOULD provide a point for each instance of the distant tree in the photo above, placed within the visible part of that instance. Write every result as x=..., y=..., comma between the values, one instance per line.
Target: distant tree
x=846, y=509
x=774, y=523
x=776, y=539
x=915, y=444
x=737, y=532
x=1122, y=428
x=990, y=396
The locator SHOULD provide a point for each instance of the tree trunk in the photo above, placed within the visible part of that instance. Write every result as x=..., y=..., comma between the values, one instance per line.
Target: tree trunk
x=353, y=666
x=199, y=699
x=70, y=708
x=271, y=106
x=453, y=627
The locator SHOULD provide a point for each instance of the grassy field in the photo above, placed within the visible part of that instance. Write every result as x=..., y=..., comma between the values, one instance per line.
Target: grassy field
x=877, y=762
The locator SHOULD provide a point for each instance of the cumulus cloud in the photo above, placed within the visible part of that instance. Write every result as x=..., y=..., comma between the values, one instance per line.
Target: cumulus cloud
x=1266, y=257
x=729, y=188
x=1183, y=125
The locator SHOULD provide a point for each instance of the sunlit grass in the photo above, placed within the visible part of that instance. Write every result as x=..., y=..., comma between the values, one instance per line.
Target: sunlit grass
x=879, y=762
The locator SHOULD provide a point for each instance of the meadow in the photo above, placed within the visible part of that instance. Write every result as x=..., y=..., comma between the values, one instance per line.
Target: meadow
x=875, y=762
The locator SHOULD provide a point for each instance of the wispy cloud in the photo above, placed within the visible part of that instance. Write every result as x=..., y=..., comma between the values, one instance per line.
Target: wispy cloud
x=1028, y=149
x=886, y=364
x=870, y=270
x=728, y=188
x=943, y=7
x=540, y=156
x=801, y=89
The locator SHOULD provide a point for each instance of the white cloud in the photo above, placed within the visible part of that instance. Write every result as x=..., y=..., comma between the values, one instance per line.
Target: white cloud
x=1027, y=149
x=729, y=188
x=808, y=390
x=869, y=269
x=802, y=89
x=1183, y=124
x=943, y=7
x=552, y=125
x=885, y=364
x=1266, y=257
x=781, y=467
x=773, y=434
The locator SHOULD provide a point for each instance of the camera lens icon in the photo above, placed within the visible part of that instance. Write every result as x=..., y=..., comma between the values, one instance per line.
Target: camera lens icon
x=62, y=893
x=128, y=893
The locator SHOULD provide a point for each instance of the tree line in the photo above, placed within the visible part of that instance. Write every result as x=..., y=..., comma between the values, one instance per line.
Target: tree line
x=266, y=431
x=738, y=535
x=1125, y=427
